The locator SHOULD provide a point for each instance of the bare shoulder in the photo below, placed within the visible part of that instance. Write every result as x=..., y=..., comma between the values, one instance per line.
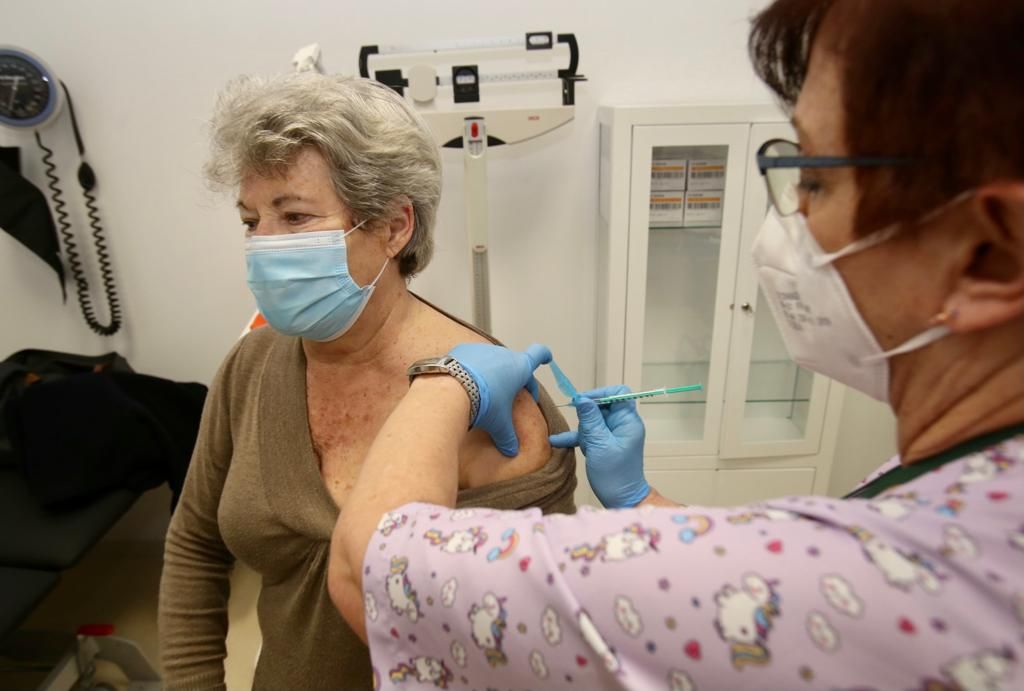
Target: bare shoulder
x=439, y=333
x=480, y=462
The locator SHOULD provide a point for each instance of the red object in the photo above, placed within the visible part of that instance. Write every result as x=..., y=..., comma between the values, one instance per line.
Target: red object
x=474, y=130
x=97, y=630
x=692, y=650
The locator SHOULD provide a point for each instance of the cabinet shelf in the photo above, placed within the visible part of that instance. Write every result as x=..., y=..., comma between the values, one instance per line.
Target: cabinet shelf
x=685, y=228
x=672, y=423
x=774, y=410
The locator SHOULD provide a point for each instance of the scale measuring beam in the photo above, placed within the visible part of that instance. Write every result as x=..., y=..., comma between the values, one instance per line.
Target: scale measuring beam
x=537, y=40
x=474, y=128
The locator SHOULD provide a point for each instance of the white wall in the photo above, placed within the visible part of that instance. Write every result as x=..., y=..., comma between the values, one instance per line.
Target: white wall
x=144, y=76
x=867, y=438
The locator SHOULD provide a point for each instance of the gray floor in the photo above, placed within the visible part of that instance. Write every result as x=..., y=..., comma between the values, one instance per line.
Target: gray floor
x=117, y=583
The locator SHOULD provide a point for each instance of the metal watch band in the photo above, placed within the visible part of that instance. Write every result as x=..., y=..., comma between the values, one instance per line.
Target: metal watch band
x=451, y=366
x=464, y=378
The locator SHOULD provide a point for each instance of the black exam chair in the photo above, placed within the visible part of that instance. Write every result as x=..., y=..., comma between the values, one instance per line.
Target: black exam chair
x=35, y=546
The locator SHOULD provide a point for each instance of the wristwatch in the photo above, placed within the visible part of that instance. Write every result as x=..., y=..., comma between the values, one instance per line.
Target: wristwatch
x=449, y=365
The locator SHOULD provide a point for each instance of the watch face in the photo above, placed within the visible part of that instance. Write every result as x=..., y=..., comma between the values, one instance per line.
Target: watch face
x=27, y=93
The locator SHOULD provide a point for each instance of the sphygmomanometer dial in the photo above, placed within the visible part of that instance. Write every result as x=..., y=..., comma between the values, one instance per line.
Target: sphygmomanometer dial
x=29, y=93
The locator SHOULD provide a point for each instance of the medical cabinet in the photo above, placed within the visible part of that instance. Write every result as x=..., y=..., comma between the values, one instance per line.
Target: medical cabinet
x=679, y=302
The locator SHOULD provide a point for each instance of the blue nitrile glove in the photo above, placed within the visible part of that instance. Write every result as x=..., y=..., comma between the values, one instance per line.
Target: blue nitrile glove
x=612, y=440
x=500, y=373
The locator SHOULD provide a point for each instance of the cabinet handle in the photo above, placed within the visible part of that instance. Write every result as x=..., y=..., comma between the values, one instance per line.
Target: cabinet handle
x=746, y=307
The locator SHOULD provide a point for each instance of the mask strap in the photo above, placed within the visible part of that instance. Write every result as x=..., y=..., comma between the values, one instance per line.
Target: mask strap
x=888, y=232
x=922, y=339
x=373, y=283
x=354, y=229
x=380, y=273
x=876, y=238
x=938, y=211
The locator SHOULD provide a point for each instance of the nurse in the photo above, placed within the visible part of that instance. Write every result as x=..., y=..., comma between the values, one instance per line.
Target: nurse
x=898, y=221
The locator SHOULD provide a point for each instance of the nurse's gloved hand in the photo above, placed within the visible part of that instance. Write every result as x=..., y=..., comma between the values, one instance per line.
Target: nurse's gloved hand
x=500, y=374
x=612, y=440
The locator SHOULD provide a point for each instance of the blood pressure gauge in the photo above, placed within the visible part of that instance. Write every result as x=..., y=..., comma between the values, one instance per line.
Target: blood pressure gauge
x=29, y=91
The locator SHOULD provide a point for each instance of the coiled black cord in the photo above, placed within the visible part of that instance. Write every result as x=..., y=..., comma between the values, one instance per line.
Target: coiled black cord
x=106, y=272
x=58, y=202
x=88, y=180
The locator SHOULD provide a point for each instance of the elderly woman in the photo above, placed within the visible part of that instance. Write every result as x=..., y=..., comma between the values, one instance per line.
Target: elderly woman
x=898, y=223
x=338, y=183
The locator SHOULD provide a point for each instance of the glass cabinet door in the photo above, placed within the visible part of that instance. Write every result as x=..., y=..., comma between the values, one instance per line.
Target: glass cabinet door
x=686, y=196
x=773, y=407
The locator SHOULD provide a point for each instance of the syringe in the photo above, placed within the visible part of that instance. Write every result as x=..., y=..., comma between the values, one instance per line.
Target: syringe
x=663, y=391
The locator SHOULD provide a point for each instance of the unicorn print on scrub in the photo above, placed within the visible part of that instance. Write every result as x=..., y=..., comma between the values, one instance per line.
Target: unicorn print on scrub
x=693, y=526
x=390, y=522
x=488, y=621
x=763, y=513
x=987, y=670
x=981, y=468
x=425, y=670
x=400, y=592
x=957, y=542
x=915, y=589
x=459, y=541
x=950, y=508
x=900, y=570
x=744, y=619
x=632, y=541
x=896, y=506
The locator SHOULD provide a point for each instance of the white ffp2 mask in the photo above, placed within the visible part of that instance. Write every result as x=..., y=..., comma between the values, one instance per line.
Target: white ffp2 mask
x=818, y=320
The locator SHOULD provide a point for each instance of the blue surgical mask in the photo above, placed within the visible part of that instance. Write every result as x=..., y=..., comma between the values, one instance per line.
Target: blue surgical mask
x=302, y=283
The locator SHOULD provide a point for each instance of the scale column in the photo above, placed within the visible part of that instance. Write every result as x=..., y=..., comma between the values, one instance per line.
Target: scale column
x=474, y=148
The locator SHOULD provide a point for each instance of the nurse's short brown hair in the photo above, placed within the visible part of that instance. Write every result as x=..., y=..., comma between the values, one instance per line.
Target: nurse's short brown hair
x=939, y=81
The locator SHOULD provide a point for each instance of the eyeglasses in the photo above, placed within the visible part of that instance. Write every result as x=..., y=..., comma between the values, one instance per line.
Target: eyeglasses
x=780, y=162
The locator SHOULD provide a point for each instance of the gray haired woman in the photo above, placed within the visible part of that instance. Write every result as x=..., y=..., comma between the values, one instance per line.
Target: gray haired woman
x=338, y=183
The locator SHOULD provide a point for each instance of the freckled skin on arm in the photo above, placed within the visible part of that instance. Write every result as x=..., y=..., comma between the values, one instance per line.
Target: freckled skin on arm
x=480, y=463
